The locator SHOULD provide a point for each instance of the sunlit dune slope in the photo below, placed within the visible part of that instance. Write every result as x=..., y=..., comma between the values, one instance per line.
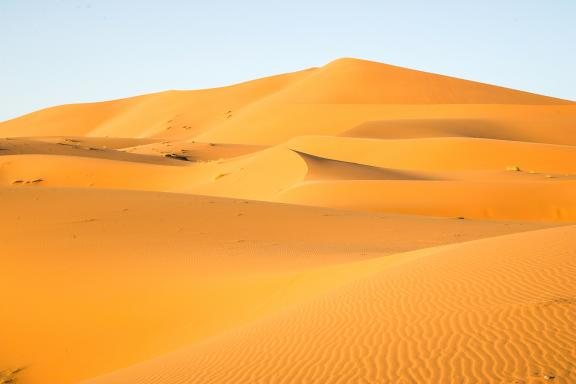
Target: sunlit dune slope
x=497, y=310
x=258, y=177
x=353, y=81
x=329, y=100
x=348, y=92
x=177, y=114
x=121, y=276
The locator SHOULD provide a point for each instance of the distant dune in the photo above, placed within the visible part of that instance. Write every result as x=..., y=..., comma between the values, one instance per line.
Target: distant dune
x=353, y=223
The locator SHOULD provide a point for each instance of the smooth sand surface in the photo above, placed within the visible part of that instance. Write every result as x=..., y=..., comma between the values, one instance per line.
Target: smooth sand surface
x=353, y=223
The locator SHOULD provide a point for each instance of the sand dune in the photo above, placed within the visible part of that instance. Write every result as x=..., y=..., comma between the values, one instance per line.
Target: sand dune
x=348, y=93
x=496, y=310
x=167, y=114
x=153, y=272
x=377, y=83
x=450, y=177
x=313, y=102
x=352, y=223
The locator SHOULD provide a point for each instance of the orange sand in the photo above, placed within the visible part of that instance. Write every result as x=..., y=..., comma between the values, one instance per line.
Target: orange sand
x=354, y=223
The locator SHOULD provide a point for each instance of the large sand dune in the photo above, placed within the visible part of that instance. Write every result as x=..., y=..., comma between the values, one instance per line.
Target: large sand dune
x=353, y=223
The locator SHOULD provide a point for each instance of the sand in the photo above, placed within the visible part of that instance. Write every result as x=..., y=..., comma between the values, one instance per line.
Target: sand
x=497, y=310
x=353, y=223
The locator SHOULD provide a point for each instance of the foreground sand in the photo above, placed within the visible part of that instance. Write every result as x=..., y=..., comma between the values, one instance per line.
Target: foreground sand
x=354, y=223
x=499, y=310
x=121, y=276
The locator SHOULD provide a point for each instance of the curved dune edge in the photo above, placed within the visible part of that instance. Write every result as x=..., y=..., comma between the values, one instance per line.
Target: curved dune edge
x=320, y=168
x=494, y=310
x=123, y=276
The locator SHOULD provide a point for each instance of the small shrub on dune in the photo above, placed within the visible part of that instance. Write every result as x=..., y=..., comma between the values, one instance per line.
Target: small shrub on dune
x=513, y=168
x=220, y=175
x=9, y=376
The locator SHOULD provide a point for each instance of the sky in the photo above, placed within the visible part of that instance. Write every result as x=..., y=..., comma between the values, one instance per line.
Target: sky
x=68, y=51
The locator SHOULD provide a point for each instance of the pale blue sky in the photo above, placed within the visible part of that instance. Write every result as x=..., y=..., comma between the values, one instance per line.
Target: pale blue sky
x=67, y=51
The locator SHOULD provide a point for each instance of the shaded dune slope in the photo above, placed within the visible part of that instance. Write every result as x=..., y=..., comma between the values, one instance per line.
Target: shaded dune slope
x=433, y=127
x=320, y=168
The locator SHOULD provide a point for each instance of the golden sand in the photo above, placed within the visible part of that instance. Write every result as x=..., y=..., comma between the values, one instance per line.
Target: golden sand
x=353, y=223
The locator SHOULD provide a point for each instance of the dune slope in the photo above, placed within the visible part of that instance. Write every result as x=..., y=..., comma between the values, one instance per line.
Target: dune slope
x=496, y=310
x=121, y=276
